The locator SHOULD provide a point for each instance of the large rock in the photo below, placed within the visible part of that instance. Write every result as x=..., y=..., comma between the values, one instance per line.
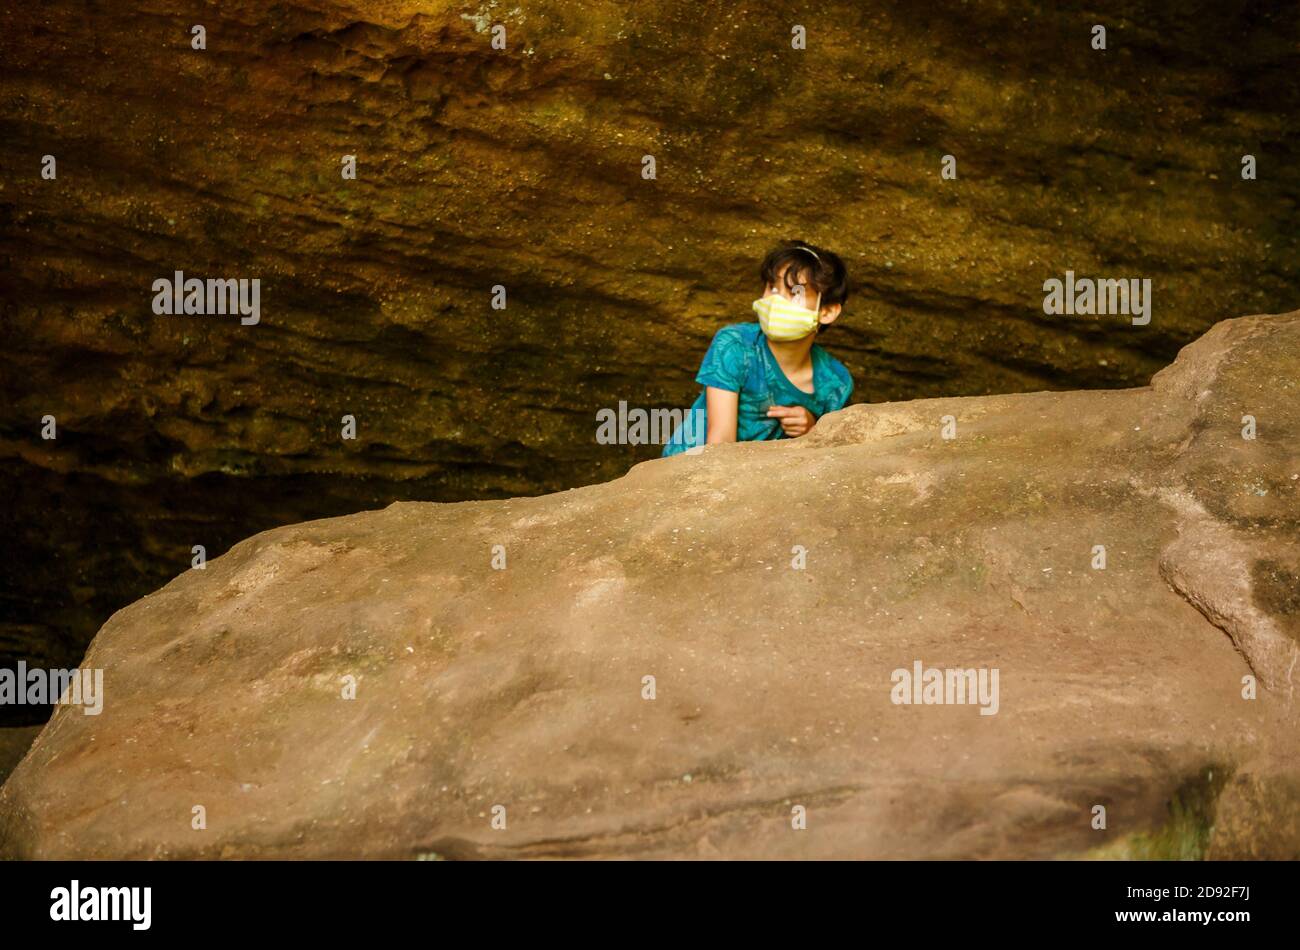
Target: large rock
x=522, y=167
x=1125, y=686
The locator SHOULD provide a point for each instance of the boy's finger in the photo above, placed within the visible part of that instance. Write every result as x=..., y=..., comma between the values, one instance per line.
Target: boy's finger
x=783, y=412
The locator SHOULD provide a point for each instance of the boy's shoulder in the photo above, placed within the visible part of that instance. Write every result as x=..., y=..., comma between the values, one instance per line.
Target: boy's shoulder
x=833, y=377
x=831, y=365
x=738, y=333
x=729, y=361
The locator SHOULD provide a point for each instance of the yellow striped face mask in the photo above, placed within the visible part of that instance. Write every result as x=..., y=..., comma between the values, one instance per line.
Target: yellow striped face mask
x=784, y=320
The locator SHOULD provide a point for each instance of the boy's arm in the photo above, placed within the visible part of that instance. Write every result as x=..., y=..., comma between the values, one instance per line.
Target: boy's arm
x=721, y=411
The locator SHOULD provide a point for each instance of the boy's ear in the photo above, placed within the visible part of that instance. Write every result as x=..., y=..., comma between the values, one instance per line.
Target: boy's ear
x=828, y=314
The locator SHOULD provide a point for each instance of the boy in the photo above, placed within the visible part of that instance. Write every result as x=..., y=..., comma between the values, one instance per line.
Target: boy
x=769, y=380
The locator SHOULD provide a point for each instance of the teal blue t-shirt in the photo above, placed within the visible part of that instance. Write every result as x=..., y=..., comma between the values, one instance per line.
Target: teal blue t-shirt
x=740, y=361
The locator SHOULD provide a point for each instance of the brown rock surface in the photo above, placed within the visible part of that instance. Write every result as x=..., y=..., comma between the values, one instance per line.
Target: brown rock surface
x=523, y=687
x=521, y=167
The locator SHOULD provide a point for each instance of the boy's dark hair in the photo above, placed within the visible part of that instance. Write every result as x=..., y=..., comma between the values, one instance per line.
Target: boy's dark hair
x=825, y=272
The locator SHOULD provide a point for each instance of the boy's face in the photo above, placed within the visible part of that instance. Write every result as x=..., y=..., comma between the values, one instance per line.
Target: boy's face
x=797, y=290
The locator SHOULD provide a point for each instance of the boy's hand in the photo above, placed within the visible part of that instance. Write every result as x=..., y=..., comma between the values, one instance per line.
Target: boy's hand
x=795, y=420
